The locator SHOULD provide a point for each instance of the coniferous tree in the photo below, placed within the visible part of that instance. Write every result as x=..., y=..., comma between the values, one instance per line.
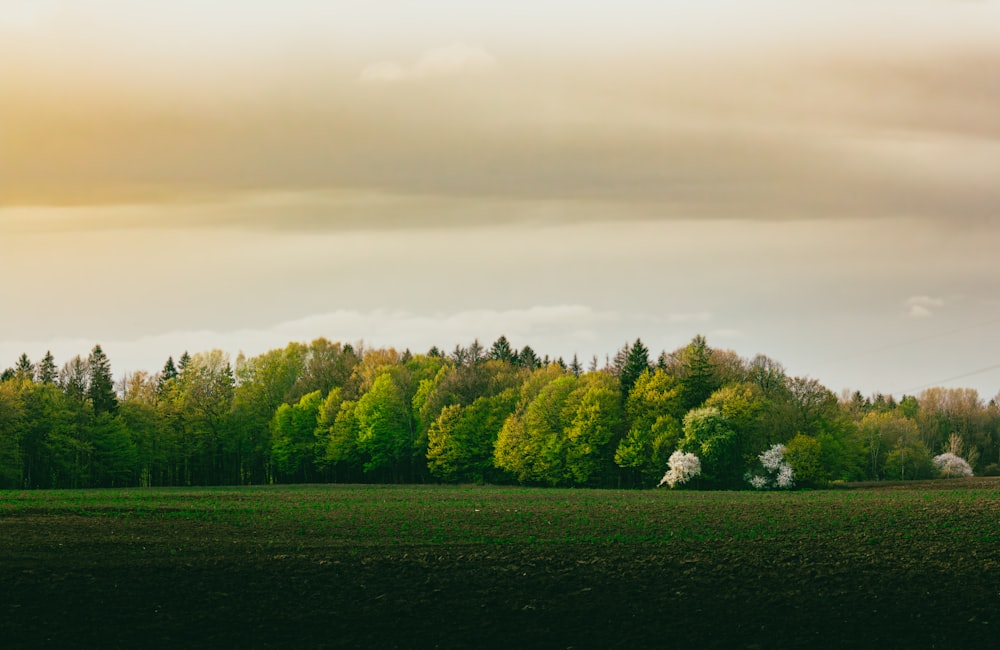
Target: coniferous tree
x=169, y=370
x=698, y=381
x=636, y=363
x=101, y=391
x=46, y=372
x=24, y=368
x=575, y=367
x=501, y=350
x=74, y=378
x=527, y=358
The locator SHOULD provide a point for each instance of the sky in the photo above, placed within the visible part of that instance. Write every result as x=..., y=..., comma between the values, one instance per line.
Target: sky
x=813, y=180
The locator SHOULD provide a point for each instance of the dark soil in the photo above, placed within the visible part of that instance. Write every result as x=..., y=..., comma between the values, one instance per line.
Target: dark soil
x=73, y=581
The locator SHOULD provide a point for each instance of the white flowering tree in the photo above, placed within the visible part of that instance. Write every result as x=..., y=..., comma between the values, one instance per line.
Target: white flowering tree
x=777, y=472
x=683, y=467
x=950, y=465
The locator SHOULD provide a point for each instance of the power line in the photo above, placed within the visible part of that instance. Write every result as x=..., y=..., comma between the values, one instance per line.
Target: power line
x=920, y=339
x=955, y=378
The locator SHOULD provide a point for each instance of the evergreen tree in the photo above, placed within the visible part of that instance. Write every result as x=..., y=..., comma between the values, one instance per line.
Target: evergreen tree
x=528, y=359
x=636, y=363
x=699, y=380
x=476, y=352
x=169, y=369
x=184, y=362
x=575, y=367
x=46, y=372
x=101, y=391
x=24, y=368
x=74, y=378
x=168, y=373
x=501, y=350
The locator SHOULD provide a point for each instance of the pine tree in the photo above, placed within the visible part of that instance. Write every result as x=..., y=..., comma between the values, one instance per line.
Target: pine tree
x=46, y=372
x=528, y=359
x=101, y=391
x=24, y=368
x=636, y=363
x=575, y=367
x=501, y=350
x=699, y=380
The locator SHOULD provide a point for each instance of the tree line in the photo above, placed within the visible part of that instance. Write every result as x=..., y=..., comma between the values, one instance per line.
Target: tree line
x=332, y=412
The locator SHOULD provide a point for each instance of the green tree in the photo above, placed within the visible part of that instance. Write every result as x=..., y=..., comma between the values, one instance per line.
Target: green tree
x=11, y=430
x=593, y=422
x=526, y=444
x=101, y=388
x=501, y=350
x=880, y=433
x=24, y=369
x=46, y=372
x=696, y=371
x=385, y=432
x=636, y=363
x=115, y=456
x=909, y=460
x=293, y=438
x=805, y=455
x=343, y=452
x=652, y=411
x=462, y=440
x=708, y=436
x=205, y=400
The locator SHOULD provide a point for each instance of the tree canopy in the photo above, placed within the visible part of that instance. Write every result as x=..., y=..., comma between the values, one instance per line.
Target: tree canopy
x=326, y=411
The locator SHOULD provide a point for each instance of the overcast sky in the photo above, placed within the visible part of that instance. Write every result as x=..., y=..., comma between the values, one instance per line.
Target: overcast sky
x=809, y=179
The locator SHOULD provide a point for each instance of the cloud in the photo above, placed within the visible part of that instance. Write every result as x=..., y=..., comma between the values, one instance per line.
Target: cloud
x=923, y=306
x=452, y=60
x=556, y=329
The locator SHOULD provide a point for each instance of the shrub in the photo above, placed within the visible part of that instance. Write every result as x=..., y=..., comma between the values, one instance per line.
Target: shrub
x=683, y=468
x=951, y=466
x=777, y=472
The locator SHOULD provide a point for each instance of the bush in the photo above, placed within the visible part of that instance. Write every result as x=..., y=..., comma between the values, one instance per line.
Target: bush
x=951, y=466
x=683, y=468
x=777, y=472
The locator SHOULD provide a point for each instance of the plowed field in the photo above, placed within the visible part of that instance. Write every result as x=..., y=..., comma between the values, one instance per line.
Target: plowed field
x=489, y=567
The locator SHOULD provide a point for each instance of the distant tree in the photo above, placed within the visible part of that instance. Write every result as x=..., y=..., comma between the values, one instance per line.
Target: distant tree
x=46, y=372
x=11, y=433
x=636, y=363
x=101, y=391
x=74, y=378
x=880, y=433
x=384, y=428
x=169, y=369
x=293, y=439
x=462, y=439
x=682, y=468
x=575, y=367
x=805, y=456
x=951, y=466
x=24, y=369
x=696, y=373
x=653, y=413
x=527, y=358
x=708, y=436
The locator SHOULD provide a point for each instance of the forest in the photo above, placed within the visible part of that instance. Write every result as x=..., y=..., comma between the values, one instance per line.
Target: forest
x=341, y=413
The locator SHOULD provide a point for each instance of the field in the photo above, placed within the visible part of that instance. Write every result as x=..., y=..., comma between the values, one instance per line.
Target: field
x=490, y=567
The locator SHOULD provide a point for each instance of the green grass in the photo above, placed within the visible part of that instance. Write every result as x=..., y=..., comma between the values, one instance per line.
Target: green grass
x=501, y=567
x=429, y=515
